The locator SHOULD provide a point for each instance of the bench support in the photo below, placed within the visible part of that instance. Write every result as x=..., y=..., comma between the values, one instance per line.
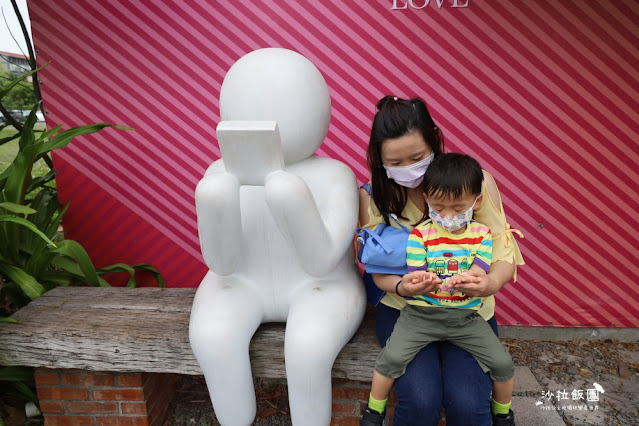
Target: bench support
x=112, y=356
x=75, y=397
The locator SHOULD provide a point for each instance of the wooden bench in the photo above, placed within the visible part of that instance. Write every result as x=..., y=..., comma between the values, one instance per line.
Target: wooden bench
x=103, y=354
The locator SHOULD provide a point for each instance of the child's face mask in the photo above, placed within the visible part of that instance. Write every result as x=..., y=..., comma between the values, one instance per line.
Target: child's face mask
x=409, y=176
x=452, y=223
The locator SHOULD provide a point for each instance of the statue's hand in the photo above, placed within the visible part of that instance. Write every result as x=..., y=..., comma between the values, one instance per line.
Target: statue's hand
x=286, y=184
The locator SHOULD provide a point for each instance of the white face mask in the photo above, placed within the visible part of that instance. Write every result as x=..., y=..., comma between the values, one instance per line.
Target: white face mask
x=409, y=176
x=452, y=223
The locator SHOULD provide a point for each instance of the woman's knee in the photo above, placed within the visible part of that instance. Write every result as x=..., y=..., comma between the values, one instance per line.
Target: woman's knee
x=419, y=391
x=467, y=388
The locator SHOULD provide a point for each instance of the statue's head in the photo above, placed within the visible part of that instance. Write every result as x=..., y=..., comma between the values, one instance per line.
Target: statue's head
x=284, y=86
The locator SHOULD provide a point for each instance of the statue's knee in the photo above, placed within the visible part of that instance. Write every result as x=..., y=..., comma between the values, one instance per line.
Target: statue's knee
x=216, y=340
x=309, y=352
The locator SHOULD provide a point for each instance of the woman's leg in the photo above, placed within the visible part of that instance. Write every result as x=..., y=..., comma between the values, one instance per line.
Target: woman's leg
x=467, y=388
x=419, y=391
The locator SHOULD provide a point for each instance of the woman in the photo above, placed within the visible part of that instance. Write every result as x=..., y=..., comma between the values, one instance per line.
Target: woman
x=404, y=140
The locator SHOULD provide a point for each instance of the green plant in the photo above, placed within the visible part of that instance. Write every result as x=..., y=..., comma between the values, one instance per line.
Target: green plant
x=34, y=256
x=21, y=96
x=18, y=382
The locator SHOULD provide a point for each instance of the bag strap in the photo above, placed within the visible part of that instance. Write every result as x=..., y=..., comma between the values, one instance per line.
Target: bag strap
x=368, y=188
x=404, y=227
x=375, y=236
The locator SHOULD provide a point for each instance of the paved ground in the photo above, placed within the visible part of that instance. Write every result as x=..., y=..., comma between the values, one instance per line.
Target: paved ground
x=553, y=384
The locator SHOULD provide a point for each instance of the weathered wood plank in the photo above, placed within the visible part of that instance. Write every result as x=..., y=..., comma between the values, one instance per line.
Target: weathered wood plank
x=143, y=299
x=107, y=329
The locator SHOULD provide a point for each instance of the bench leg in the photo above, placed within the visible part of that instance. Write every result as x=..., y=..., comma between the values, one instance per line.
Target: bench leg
x=75, y=397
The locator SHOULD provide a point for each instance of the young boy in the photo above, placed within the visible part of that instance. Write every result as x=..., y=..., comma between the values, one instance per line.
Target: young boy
x=440, y=249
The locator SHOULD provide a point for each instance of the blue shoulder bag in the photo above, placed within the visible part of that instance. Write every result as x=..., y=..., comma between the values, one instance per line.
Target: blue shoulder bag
x=382, y=251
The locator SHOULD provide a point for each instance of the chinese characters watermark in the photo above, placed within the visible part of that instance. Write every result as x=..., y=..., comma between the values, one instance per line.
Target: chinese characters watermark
x=576, y=395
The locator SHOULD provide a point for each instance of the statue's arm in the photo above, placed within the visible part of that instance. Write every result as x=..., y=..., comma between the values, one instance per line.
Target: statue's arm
x=217, y=202
x=321, y=234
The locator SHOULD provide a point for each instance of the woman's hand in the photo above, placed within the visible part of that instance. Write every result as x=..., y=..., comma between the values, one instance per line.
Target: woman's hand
x=417, y=283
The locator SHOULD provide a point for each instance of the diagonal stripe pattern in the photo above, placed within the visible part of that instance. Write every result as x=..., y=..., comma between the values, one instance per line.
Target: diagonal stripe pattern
x=544, y=94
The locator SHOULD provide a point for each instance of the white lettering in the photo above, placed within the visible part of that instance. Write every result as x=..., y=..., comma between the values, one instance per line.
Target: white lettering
x=419, y=7
x=395, y=5
x=440, y=3
x=456, y=4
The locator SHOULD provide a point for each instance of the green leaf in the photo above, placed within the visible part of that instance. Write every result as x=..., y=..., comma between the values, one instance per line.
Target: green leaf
x=15, y=294
x=76, y=252
x=63, y=138
x=28, y=136
x=46, y=134
x=14, y=189
x=29, y=285
x=131, y=270
x=38, y=263
x=120, y=267
x=59, y=278
x=72, y=270
x=40, y=181
x=8, y=319
x=20, y=175
x=16, y=208
x=156, y=274
x=16, y=374
x=27, y=224
x=21, y=391
x=48, y=219
x=46, y=205
x=15, y=82
x=5, y=175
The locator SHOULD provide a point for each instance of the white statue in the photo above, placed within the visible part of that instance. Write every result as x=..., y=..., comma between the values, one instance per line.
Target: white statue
x=277, y=237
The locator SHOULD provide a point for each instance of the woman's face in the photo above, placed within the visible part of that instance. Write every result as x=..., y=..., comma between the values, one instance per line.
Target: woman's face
x=405, y=150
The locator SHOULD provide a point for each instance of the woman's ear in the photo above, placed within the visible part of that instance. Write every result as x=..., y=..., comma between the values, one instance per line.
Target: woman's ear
x=480, y=198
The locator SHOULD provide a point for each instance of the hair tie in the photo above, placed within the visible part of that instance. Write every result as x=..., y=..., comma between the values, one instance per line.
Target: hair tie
x=394, y=98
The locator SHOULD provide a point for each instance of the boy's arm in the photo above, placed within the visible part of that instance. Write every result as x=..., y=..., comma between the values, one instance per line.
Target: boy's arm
x=416, y=252
x=481, y=263
x=484, y=250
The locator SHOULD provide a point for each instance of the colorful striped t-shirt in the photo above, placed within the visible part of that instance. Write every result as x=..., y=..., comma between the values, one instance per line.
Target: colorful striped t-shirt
x=431, y=248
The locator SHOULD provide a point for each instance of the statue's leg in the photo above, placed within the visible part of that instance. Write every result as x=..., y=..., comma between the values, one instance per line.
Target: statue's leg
x=224, y=317
x=322, y=319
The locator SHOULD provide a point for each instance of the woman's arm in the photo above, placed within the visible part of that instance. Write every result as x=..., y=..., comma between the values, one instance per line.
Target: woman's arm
x=477, y=282
x=412, y=284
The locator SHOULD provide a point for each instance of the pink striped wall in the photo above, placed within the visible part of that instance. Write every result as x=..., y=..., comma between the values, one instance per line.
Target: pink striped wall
x=543, y=93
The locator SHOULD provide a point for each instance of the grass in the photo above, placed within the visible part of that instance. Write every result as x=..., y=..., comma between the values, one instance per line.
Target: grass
x=9, y=150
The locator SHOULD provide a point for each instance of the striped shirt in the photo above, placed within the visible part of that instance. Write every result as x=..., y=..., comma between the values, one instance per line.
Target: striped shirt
x=432, y=248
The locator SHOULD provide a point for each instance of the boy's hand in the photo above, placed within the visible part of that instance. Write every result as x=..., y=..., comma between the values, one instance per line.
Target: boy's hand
x=417, y=283
x=475, y=282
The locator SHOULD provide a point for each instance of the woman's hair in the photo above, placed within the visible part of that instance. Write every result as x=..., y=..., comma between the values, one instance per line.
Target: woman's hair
x=395, y=118
x=453, y=174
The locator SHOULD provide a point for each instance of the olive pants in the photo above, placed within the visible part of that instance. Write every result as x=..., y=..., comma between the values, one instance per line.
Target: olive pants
x=418, y=326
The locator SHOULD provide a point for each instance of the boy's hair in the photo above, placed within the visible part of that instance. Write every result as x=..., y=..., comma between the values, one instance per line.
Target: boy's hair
x=453, y=174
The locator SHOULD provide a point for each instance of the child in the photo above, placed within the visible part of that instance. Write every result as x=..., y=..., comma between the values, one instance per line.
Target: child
x=440, y=249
